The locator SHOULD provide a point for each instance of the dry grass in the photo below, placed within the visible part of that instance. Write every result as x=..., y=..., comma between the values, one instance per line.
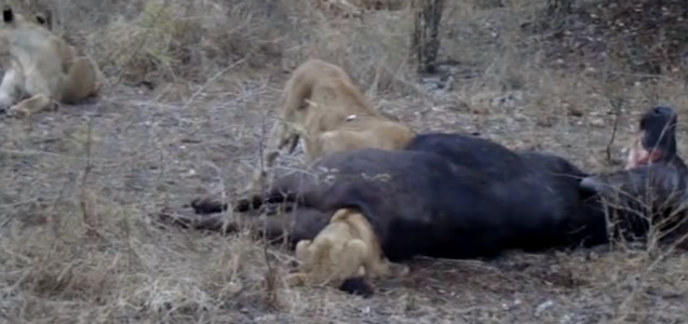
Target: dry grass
x=77, y=242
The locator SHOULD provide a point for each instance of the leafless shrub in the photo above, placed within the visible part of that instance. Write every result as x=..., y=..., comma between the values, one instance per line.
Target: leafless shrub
x=176, y=41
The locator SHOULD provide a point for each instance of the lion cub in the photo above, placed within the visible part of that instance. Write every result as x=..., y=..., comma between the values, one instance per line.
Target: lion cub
x=44, y=69
x=322, y=106
x=344, y=249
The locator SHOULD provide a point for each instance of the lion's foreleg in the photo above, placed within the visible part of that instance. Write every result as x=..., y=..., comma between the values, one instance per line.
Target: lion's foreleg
x=81, y=81
x=280, y=136
x=304, y=256
x=9, y=88
x=30, y=106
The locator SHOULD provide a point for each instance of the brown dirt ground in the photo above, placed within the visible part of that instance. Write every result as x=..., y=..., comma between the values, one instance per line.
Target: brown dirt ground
x=79, y=186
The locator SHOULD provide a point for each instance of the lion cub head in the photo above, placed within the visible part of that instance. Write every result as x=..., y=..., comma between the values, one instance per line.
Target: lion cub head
x=346, y=248
x=44, y=69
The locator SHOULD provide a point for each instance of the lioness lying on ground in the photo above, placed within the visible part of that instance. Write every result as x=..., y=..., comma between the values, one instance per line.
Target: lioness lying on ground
x=346, y=248
x=322, y=106
x=44, y=69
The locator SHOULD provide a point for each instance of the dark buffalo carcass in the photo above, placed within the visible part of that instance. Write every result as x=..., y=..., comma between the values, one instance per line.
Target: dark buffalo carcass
x=450, y=196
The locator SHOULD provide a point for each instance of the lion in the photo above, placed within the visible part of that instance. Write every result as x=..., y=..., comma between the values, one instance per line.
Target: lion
x=323, y=107
x=346, y=248
x=44, y=70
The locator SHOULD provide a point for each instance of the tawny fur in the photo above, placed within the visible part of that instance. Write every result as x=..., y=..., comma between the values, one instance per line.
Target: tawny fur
x=323, y=107
x=44, y=69
x=346, y=248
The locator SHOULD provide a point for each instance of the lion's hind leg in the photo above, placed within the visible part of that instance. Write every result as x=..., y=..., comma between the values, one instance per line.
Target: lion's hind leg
x=279, y=137
x=82, y=80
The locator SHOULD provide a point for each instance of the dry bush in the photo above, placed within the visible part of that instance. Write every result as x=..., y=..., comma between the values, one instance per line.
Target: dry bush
x=662, y=218
x=373, y=48
x=667, y=236
x=174, y=41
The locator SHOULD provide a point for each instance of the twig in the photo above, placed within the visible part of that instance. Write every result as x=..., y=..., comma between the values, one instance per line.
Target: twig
x=88, y=217
x=270, y=276
x=211, y=80
x=616, y=105
x=261, y=152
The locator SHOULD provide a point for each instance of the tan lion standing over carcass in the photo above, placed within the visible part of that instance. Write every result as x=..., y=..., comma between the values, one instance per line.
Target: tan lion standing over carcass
x=44, y=69
x=322, y=106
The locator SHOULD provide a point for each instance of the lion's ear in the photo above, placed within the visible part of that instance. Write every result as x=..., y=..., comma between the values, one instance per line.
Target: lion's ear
x=41, y=20
x=45, y=20
x=7, y=15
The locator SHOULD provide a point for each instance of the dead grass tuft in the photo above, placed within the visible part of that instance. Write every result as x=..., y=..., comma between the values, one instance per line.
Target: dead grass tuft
x=176, y=41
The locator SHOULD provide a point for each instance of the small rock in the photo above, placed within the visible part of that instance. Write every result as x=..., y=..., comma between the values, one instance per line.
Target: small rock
x=545, y=121
x=597, y=122
x=575, y=112
x=565, y=319
x=543, y=307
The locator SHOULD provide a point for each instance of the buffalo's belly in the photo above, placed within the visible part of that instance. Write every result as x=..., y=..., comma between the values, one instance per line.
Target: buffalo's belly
x=478, y=224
